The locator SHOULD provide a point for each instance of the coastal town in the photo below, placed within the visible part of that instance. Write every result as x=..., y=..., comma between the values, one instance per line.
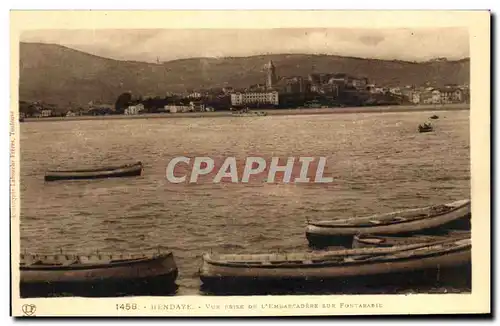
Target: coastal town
x=317, y=90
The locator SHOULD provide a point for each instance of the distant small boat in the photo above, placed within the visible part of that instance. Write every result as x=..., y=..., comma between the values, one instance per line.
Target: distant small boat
x=128, y=170
x=339, y=265
x=370, y=241
x=434, y=117
x=52, y=273
x=340, y=232
x=425, y=128
x=250, y=114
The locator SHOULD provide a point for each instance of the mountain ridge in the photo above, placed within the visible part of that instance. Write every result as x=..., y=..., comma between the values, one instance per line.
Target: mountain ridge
x=252, y=56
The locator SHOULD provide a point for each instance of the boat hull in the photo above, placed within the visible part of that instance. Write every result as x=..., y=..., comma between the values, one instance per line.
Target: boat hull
x=332, y=233
x=378, y=241
x=150, y=275
x=382, y=272
x=119, y=172
x=424, y=280
x=161, y=285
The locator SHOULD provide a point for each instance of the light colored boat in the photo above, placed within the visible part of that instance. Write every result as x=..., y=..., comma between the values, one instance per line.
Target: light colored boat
x=337, y=265
x=250, y=114
x=340, y=232
x=370, y=240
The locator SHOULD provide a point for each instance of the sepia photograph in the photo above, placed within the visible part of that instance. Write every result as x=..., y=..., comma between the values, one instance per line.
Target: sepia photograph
x=177, y=164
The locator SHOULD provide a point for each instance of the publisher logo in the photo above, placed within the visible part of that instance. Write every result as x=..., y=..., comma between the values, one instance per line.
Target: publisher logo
x=28, y=309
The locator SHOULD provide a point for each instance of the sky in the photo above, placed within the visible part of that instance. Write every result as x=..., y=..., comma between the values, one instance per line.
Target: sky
x=171, y=44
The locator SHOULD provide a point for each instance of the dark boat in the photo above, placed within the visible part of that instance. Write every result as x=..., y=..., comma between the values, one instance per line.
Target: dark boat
x=347, y=266
x=425, y=128
x=340, y=232
x=370, y=241
x=44, y=275
x=128, y=170
x=434, y=117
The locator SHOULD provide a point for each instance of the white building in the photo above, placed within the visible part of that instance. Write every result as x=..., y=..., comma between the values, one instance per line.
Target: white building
x=395, y=90
x=238, y=99
x=197, y=106
x=195, y=95
x=46, y=113
x=415, y=98
x=436, y=96
x=178, y=108
x=134, y=109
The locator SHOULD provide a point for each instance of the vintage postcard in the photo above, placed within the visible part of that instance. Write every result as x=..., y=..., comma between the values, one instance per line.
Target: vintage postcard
x=260, y=163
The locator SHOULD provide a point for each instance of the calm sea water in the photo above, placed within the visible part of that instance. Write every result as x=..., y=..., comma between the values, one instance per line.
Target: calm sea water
x=379, y=163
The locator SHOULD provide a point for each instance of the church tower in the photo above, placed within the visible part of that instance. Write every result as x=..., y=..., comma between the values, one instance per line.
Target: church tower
x=271, y=75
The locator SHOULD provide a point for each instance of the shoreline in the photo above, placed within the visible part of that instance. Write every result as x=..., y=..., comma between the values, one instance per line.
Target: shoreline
x=270, y=112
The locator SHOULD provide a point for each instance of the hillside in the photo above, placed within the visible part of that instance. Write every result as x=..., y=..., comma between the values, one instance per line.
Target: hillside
x=60, y=75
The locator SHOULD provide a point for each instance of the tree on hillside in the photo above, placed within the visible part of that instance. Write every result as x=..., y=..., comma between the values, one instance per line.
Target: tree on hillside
x=122, y=102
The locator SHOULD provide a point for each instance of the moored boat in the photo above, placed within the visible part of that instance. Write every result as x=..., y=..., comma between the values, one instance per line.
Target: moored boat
x=340, y=266
x=370, y=240
x=425, y=128
x=340, y=232
x=127, y=170
x=250, y=114
x=51, y=274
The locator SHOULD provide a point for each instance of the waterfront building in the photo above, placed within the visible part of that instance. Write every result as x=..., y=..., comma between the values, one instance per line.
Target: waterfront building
x=415, y=98
x=134, y=109
x=359, y=83
x=292, y=85
x=395, y=90
x=436, y=96
x=194, y=95
x=338, y=79
x=451, y=95
x=46, y=113
x=240, y=99
x=425, y=97
x=194, y=106
x=173, y=108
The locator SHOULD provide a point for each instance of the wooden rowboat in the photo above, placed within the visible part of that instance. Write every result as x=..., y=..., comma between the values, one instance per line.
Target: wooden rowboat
x=370, y=241
x=335, y=265
x=128, y=170
x=42, y=274
x=340, y=232
x=425, y=128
